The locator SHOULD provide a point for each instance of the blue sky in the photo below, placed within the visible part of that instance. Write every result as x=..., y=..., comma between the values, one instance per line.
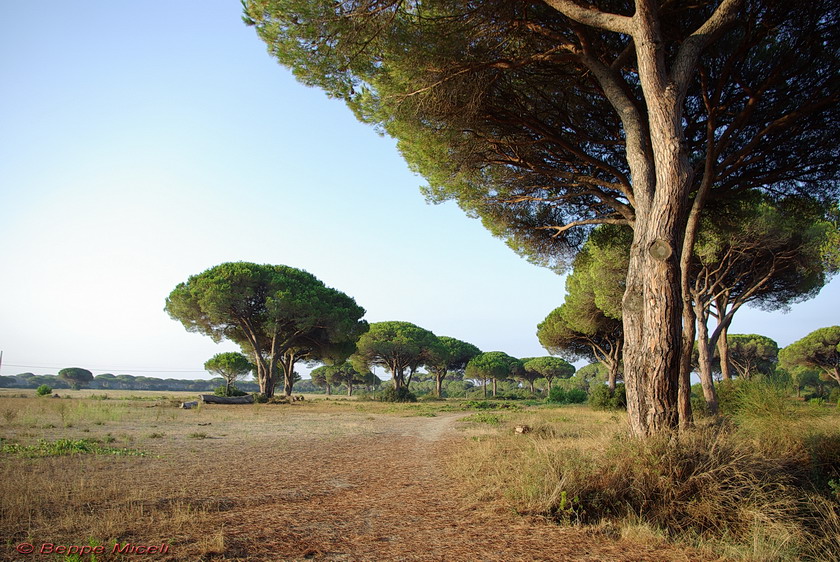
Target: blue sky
x=141, y=143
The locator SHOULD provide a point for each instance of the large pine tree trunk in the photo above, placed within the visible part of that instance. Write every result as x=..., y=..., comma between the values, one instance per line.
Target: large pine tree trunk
x=652, y=334
x=652, y=304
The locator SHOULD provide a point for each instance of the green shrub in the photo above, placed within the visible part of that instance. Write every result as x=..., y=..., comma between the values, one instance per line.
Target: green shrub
x=576, y=396
x=43, y=390
x=260, y=398
x=392, y=394
x=483, y=417
x=572, y=396
x=223, y=391
x=517, y=394
x=557, y=395
x=600, y=397
x=489, y=405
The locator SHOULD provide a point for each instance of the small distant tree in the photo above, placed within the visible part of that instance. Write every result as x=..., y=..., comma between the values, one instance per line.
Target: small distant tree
x=76, y=377
x=451, y=355
x=758, y=251
x=345, y=373
x=550, y=368
x=751, y=354
x=526, y=376
x=280, y=314
x=399, y=347
x=230, y=366
x=588, y=325
x=43, y=390
x=818, y=350
x=319, y=378
x=495, y=365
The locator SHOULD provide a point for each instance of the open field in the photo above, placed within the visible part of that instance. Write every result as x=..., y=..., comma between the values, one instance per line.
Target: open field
x=325, y=480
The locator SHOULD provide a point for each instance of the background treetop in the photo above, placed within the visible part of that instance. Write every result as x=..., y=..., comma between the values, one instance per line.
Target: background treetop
x=280, y=314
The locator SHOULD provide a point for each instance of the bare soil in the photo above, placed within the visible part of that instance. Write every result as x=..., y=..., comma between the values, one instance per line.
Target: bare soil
x=310, y=482
x=377, y=490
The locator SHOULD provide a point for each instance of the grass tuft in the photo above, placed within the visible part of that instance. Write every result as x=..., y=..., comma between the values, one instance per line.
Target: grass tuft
x=61, y=447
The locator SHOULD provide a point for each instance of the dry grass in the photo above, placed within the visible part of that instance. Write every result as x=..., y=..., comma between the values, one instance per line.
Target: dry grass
x=755, y=491
x=330, y=480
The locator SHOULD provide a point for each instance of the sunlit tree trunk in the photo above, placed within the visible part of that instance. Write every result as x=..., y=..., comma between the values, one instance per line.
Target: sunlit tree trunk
x=723, y=351
x=704, y=353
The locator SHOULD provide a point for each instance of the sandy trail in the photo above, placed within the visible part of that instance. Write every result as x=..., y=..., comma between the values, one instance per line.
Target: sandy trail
x=375, y=489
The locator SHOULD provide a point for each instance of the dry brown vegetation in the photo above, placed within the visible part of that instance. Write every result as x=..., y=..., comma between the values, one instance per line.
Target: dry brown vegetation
x=327, y=480
x=755, y=488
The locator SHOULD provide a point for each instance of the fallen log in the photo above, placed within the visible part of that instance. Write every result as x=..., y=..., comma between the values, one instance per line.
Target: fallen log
x=213, y=399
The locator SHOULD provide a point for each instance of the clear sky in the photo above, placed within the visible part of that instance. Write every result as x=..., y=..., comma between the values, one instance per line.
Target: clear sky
x=141, y=143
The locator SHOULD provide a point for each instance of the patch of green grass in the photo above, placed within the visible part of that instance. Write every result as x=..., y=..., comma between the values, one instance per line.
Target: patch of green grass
x=61, y=447
x=489, y=405
x=197, y=435
x=483, y=417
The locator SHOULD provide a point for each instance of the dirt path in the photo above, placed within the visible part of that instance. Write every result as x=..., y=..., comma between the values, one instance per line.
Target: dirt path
x=375, y=489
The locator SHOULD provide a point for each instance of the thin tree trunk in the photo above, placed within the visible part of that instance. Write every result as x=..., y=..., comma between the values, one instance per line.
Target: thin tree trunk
x=439, y=385
x=684, y=394
x=704, y=351
x=723, y=351
x=494, y=387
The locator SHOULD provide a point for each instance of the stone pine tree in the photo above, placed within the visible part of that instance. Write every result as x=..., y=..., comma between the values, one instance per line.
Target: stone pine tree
x=550, y=368
x=547, y=118
x=451, y=355
x=756, y=251
x=345, y=373
x=818, y=350
x=230, y=366
x=752, y=354
x=279, y=313
x=400, y=347
x=76, y=377
x=588, y=324
x=492, y=365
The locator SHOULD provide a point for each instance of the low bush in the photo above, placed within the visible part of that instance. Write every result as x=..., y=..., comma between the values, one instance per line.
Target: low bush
x=600, y=397
x=392, y=394
x=223, y=391
x=761, y=485
x=517, y=394
x=489, y=405
x=560, y=396
x=43, y=390
x=483, y=417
